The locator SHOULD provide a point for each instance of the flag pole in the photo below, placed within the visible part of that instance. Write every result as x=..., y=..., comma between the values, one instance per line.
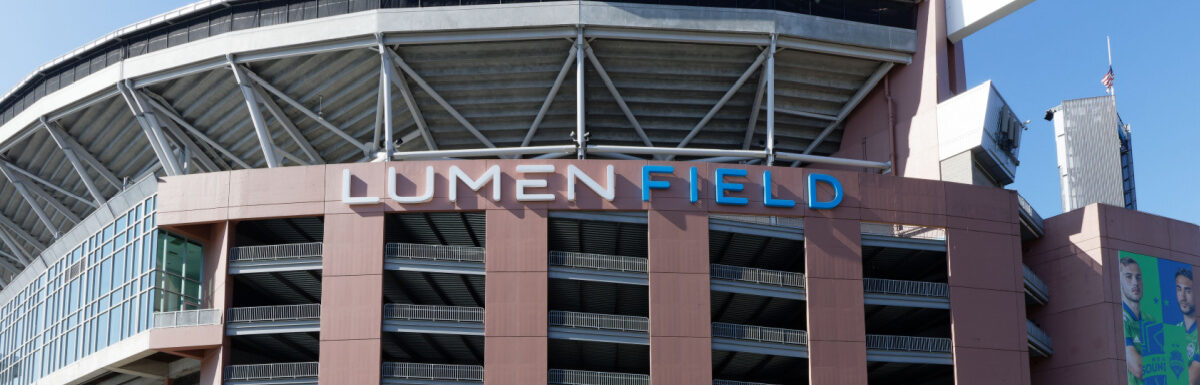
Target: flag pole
x=1108, y=39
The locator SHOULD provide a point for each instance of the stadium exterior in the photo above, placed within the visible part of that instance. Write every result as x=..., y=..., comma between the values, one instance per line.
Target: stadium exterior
x=561, y=192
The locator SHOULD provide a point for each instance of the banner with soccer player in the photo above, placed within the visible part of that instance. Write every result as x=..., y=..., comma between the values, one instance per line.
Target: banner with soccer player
x=1159, y=316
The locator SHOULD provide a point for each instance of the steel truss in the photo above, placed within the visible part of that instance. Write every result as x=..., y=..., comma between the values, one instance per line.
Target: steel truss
x=181, y=147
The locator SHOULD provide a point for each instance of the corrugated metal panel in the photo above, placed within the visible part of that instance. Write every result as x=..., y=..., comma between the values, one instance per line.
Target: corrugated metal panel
x=1091, y=148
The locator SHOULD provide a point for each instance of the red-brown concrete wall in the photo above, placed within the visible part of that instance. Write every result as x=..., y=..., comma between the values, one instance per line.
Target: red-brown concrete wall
x=1078, y=260
x=981, y=223
x=351, y=298
x=516, y=298
x=680, y=319
x=916, y=89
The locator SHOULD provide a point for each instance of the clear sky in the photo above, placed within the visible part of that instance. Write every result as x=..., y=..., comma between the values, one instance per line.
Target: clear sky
x=1046, y=52
x=1053, y=50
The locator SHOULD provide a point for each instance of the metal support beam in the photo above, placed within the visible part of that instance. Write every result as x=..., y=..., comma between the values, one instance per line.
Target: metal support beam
x=466, y=153
x=288, y=127
x=770, y=72
x=53, y=186
x=398, y=61
x=21, y=233
x=409, y=101
x=580, y=97
x=151, y=128
x=389, y=143
x=193, y=150
x=307, y=112
x=805, y=114
x=758, y=61
x=754, y=110
x=88, y=158
x=50, y=200
x=69, y=152
x=8, y=266
x=380, y=105
x=21, y=254
x=19, y=184
x=849, y=106
x=558, y=81
x=256, y=118
x=612, y=89
x=162, y=106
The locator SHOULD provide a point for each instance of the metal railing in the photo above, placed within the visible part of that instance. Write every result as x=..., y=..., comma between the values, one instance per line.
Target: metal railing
x=792, y=222
x=271, y=371
x=580, y=377
x=274, y=313
x=903, y=231
x=900, y=287
x=187, y=318
x=759, y=333
x=598, y=261
x=432, y=312
x=433, y=371
x=1037, y=333
x=756, y=275
x=434, y=252
x=907, y=343
x=1027, y=210
x=1035, y=282
x=273, y=252
x=599, y=321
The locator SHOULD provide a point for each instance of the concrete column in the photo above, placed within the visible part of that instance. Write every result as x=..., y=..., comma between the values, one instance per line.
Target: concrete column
x=680, y=302
x=216, y=296
x=987, y=305
x=352, y=299
x=516, y=297
x=837, y=350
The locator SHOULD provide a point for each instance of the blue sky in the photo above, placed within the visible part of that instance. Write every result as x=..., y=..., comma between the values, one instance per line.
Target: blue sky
x=1053, y=50
x=1046, y=52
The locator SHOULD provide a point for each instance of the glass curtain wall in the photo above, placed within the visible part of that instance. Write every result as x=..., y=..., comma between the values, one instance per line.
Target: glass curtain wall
x=103, y=291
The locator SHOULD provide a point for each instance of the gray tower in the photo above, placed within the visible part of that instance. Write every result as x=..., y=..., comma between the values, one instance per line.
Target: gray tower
x=1095, y=153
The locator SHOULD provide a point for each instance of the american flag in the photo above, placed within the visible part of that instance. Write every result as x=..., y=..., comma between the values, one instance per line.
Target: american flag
x=1107, y=80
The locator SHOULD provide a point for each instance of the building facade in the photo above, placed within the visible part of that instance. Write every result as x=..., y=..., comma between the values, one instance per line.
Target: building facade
x=559, y=192
x=1095, y=153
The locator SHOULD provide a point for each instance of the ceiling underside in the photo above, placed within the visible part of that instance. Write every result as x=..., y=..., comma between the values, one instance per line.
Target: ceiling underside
x=497, y=87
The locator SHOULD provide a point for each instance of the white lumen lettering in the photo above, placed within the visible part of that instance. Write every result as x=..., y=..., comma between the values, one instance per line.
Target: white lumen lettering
x=426, y=197
x=607, y=192
x=522, y=184
x=347, y=199
x=492, y=175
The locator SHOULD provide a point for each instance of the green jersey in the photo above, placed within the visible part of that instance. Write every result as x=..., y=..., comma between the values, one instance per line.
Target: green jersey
x=1134, y=335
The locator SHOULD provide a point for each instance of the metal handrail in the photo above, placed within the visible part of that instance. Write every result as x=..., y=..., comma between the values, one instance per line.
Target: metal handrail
x=433, y=371
x=903, y=231
x=1028, y=210
x=274, y=252
x=908, y=343
x=902, y=287
x=271, y=371
x=187, y=318
x=274, y=313
x=1037, y=333
x=792, y=222
x=598, y=261
x=756, y=275
x=581, y=377
x=759, y=333
x=432, y=312
x=599, y=321
x=1034, y=281
x=434, y=252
